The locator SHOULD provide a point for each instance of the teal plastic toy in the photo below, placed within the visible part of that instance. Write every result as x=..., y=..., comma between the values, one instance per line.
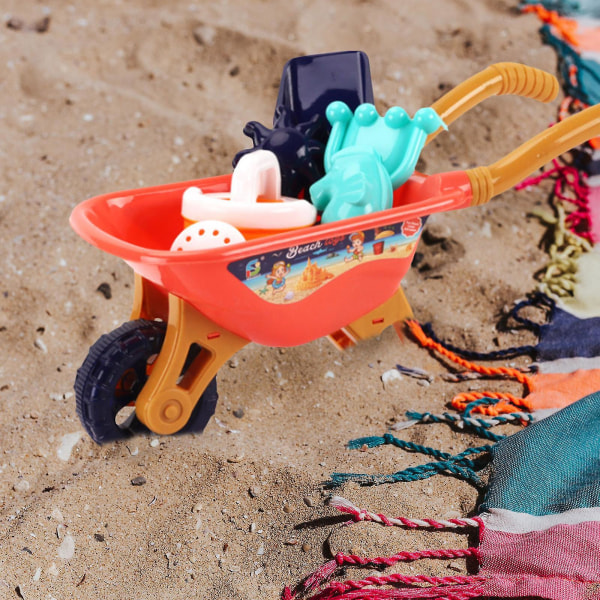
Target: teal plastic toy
x=367, y=157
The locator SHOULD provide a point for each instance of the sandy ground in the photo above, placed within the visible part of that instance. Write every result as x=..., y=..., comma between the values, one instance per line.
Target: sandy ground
x=114, y=95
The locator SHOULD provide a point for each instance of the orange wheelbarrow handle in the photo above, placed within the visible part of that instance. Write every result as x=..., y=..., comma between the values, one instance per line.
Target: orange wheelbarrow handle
x=497, y=80
x=487, y=182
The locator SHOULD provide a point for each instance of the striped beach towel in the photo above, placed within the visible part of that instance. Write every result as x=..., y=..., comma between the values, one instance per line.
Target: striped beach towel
x=539, y=525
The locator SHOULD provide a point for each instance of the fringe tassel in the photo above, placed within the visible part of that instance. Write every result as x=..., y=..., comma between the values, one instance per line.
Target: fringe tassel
x=459, y=465
x=360, y=514
x=454, y=587
x=505, y=403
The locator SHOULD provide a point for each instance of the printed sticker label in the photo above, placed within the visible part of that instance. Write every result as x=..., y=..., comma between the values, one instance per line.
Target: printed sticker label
x=291, y=274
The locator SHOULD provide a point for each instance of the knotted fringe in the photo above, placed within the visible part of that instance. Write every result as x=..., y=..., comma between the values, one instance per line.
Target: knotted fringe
x=447, y=591
x=472, y=355
x=374, y=441
x=502, y=402
x=462, y=421
x=572, y=231
x=536, y=299
x=460, y=465
x=451, y=587
x=567, y=27
x=360, y=514
x=477, y=426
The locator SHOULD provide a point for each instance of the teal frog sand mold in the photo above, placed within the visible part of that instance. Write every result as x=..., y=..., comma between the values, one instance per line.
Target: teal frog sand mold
x=368, y=156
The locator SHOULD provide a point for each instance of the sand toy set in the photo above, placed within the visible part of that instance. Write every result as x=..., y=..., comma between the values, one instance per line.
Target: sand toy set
x=327, y=206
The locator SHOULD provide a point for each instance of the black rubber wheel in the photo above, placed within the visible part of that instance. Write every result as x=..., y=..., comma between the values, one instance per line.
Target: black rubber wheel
x=113, y=374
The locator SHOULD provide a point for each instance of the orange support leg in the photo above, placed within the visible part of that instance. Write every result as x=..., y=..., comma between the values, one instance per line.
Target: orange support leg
x=392, y=311
x=167, y=399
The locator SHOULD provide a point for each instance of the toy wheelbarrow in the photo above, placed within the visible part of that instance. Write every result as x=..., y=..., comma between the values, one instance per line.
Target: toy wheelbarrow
x=193, y=310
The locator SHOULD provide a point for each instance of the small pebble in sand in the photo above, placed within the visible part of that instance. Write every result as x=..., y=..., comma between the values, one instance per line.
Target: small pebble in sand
x=21, y=486
x=261, y=550
x=37, y=574
x=291, y=542
x=57, y=515
x=486, y=229
x=140, y=480
x=15, y=23
x=288, y=508
x=306, y=547
x=389, y=377
x=204, y=35
x=155, y=442
x=42, y=25
x=254, y=491
x=67, y=548
x=238, y=413
x=40, y=345
x=252, y=527
x=105, y=289
x=330, y=375
x=98, y=537
x=238, y=458
x=197, y=507
x=67, y=444
x=308, y=501
x=455, y=566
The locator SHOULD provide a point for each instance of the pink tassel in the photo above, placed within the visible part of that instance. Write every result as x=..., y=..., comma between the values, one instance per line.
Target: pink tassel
x=578, y=221
x=438, y=593
x=360, y=514
x=287, y=594
x=324, y=573
x=321, y=575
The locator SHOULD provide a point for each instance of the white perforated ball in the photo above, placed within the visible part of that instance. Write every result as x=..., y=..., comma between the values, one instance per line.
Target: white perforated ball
x=207, y=234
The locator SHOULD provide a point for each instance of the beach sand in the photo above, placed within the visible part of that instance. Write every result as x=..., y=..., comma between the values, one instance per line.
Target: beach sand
x=102, y=95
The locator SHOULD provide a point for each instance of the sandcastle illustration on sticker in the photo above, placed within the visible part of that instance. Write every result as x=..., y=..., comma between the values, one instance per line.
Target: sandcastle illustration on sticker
x=313, y=276
x=294, y=273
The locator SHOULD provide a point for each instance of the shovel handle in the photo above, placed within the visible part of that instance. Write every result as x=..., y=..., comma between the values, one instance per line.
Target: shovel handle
x=497, y=80
x=489, y=181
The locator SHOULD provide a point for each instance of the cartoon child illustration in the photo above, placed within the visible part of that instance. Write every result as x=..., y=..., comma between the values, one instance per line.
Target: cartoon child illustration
x=276, y=279
x=252, y=269
x=357, y=249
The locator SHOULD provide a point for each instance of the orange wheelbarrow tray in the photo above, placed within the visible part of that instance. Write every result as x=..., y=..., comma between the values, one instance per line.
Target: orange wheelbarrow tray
x=193, y=310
